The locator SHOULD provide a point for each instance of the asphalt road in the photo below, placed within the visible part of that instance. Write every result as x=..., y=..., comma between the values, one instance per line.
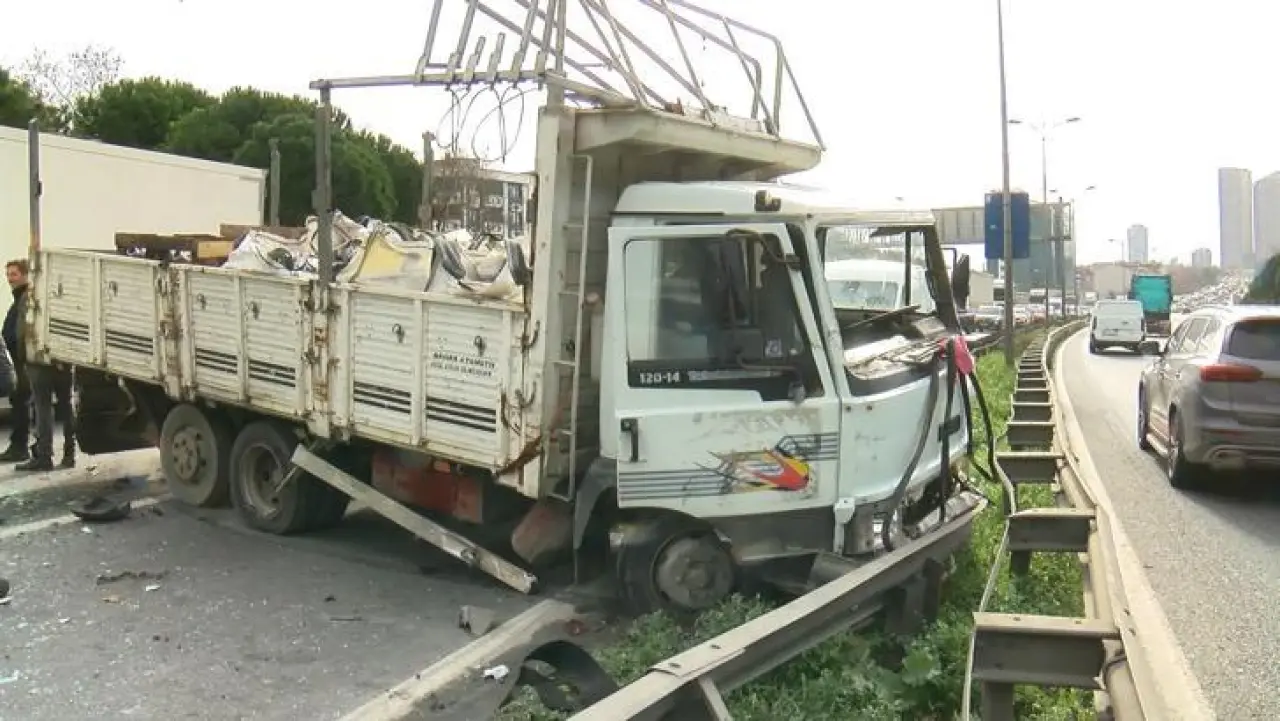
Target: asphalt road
x=1212, y=556
x=178, y=614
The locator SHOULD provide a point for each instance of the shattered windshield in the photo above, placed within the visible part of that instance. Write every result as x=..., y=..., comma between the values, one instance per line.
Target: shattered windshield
x=864, y=267
x=881, y=295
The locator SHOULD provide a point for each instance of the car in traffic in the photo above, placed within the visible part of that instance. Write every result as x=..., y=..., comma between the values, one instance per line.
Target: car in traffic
x=1210, y=399
x=1117, y=323
x=989, y=317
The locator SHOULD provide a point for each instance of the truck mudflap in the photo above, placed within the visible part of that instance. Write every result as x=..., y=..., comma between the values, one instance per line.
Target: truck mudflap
x=900, y=583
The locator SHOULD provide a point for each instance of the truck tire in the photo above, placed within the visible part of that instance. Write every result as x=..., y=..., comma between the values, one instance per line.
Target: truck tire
x=195, y=453
x=259, y=459
x=674, y=564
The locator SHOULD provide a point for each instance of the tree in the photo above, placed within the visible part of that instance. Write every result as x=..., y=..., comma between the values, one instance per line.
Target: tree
x=60, y=82
x=19, y=104
x=361, y=183
x=217, y=131
x=136, y=113
x=405, y=171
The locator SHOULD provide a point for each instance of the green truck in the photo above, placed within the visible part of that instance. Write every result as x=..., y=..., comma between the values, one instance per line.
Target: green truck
x=1155, y=292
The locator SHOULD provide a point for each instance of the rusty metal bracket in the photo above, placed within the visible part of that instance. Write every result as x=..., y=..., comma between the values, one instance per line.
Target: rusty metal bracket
x=1024, y=395
x=1030, y=435
x=1011, y=650
x=1027, y=467
x=1033, y=411
x=1047, y=529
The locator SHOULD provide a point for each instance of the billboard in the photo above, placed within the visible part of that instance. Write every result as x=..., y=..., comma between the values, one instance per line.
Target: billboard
x=993, y=214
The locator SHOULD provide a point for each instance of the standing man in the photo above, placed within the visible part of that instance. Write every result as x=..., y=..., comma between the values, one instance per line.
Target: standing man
x=37, y=383
x=20, y=393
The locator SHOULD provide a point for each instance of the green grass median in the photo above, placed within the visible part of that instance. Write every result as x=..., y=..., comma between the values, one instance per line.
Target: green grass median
x=848, y=676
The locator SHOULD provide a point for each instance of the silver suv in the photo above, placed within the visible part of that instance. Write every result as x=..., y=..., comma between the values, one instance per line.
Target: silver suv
x=1211, y=399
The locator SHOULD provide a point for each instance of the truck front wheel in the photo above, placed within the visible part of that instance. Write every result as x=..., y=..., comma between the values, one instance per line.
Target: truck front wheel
x=260, y=462
x=195, y=452
x=674, y=564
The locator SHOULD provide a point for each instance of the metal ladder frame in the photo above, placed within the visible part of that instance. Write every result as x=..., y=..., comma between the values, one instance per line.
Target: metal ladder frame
x=580, y=316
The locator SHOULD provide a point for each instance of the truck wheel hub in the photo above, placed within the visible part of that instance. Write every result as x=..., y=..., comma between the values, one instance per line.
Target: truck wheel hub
x=694, y=573
x=186, y=451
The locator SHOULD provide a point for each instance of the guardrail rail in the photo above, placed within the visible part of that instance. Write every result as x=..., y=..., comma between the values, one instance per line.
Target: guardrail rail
x=1013, y=649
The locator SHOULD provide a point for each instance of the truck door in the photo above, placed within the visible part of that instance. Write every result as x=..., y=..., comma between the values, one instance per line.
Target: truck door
x=723, y=402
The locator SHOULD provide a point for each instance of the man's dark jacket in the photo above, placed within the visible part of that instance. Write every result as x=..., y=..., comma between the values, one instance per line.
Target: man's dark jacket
x=12, y=350
x=13, y=339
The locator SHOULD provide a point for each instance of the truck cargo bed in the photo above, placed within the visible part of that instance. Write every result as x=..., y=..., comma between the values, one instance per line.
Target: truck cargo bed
x=426, y=371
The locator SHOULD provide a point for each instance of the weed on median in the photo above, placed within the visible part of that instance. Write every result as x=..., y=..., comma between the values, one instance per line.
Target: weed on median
x=845, y=677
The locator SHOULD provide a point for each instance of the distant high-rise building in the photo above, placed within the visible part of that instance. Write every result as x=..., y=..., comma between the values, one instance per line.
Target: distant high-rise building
x=1138, y=249
x=1266, y=217
x=1235, y=218
x=1201, y=258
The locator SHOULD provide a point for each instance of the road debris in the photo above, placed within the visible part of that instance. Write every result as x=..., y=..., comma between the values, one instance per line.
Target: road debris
x=476, y=620
x=101, y=509
x=107, y=577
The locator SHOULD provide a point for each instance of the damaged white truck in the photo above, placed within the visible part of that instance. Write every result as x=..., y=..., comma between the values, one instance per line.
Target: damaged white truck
x=671, y=386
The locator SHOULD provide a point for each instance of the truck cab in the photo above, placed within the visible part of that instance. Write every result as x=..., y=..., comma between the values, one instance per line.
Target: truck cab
x=737, y=391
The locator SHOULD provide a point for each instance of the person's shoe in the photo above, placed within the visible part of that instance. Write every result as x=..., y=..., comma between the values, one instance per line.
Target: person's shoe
x=35, y=465
x=68, y=460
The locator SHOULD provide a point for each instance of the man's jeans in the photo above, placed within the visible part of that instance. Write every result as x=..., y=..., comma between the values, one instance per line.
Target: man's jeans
x=46, y=382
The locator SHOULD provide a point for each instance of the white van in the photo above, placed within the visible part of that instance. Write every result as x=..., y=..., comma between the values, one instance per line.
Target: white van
x=865, y=283
x=1117, y=323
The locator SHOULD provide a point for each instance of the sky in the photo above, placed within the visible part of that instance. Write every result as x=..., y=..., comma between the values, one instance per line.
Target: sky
x=904, y=92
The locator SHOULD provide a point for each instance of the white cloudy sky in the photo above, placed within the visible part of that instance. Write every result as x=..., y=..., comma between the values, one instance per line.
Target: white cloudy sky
x=904, y=91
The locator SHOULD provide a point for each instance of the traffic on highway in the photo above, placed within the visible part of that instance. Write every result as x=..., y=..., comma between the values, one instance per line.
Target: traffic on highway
x=1192, y=487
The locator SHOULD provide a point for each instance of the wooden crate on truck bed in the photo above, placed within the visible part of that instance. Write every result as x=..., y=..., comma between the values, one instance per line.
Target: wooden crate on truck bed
x=197, y=248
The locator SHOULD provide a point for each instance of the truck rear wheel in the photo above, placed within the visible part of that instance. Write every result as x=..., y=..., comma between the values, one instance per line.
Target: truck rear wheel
x=195, y=452
x=260, y=461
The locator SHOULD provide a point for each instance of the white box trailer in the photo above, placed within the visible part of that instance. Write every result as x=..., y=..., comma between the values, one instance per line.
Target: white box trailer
x=673, y=386
x=92, y=190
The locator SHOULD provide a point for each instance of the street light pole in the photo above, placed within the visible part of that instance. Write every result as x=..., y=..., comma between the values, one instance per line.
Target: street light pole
x=1006, y=202
x=1055, y=242
x=1070, y=208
